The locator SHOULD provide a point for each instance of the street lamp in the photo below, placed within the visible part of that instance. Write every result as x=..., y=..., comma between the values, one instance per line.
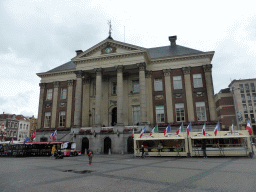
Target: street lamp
x=237, y=122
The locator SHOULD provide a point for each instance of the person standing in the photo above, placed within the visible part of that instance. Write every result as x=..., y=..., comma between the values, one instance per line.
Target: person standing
x=142, y=151
x=53, y=150
x=204, y=148
x=90, y=155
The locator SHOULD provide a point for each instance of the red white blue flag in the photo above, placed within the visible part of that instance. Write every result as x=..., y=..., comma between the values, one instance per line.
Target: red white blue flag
x=142, y=131
x=167, y=129
x=53, y=135
x=217, y=128
x=249, y=127
x=188, y=128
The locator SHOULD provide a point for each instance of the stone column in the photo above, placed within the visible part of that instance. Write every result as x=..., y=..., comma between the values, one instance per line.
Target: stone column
x=210, y=92
x=86, y=102
x=120, y=91
x=150, y=115
x=143, y=99
x=55, y=103
x=168, y=92
x=98, y=98
x=78, y=99
x=41, y=103
x=69, y=102
x=189, y=96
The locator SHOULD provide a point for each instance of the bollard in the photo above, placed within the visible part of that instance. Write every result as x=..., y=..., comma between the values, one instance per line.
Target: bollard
x=109, y=151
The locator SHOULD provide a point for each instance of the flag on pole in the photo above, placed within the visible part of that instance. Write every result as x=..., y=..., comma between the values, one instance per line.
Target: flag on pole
x=53, y=135
x=26, y=140
x=203, y=130
x=232, y=128
x=217, y=128
x=154, y=130
x=249, y=127
x=143, y=131
x=167, y=129
x=188, y=128
x=180, y=129
x=33, y=135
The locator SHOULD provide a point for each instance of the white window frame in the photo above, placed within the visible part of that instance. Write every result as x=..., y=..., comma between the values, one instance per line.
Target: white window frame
x=62, y=118
x=63, y=93
x=160, y=116
x=201, y=111
x=47, y=119
x=135, y=86
x=158, y=84
x=197, y=79
x=136, y=114
x=49, y=94
x=180, y=112
x=177, y=82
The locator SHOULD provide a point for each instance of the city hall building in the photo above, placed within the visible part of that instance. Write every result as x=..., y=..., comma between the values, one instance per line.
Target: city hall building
x=102, y=93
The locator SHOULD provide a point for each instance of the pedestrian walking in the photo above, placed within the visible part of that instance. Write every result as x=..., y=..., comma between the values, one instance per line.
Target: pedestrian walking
x=204, y=148
x=53, y=150
x=142, y=151
x=90, y=155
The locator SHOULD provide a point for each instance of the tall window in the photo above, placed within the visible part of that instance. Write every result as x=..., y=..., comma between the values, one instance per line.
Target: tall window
x=20, y=126
x=254, y=97
x=177, y=82
x=49, y=94
x=248, y=96
x=94, y=89
x=252, y=87
x=135, y=86
x=113, y=88
x=200, y=111
x=160, y=114
x=241, y=88
x=197, y=79
x=243, y=98
x=245, y=108
x=62, y=119
x=246, y=86
x=250, y=107
x=136, y=114
x=158, y=84
x=47, y=119
x=63, y=93
x=27, y=127
x=180, y=115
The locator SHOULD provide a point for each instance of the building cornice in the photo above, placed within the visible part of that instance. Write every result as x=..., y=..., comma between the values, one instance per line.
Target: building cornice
x=48, y=74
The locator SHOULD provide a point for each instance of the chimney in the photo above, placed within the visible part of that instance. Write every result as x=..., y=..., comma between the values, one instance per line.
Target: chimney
x=78, y=52
x=173, y=39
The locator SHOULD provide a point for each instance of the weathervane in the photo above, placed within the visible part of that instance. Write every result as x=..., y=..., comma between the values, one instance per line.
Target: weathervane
x=110, y=27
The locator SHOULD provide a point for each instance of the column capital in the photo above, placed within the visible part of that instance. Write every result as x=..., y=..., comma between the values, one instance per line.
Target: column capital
x=148, y=74
x=56, y=84
x=142, y=66
x=207, y=67
x=119, y=68
x=98, y=71
x=105, y=78
x=79, y=74
x=70, y=82
x=42, y=85
x=186, y=70
x=86, y=80
x=167, y=72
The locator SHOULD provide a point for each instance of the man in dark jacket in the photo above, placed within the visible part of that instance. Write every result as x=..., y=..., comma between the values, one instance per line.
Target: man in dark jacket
x=204, y=148
x=142, y=151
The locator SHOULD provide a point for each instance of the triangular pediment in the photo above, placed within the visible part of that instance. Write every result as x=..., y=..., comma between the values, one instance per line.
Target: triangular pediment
x=108, y=47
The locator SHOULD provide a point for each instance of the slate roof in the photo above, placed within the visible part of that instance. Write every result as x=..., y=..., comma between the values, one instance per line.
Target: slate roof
x=154, y=53
x=66, y=66
x=170, y=51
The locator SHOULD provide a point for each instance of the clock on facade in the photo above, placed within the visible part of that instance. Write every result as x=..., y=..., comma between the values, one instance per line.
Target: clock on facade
x=108, y=50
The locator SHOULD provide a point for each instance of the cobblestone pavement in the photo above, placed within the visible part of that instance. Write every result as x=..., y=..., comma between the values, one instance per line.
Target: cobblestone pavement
x=127, y=173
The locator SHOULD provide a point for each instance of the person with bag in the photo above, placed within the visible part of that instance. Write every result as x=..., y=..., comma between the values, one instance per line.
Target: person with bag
x=90, y=155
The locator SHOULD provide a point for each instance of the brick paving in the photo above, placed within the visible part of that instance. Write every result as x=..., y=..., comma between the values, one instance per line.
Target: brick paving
x=127, y=173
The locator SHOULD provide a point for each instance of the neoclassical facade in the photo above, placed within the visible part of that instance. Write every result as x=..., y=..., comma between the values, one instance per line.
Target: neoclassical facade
x=115, y=85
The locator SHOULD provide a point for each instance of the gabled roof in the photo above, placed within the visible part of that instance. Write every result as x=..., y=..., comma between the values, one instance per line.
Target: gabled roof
x=21, y=117
x=170, y=51
x=66, y=66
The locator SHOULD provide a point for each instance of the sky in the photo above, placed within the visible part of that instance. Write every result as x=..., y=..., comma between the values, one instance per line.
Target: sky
x=39, y=35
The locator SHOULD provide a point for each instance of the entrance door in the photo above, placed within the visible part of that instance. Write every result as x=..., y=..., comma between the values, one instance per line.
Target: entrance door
x=114, y=116
x=107, y=145
x=130, y=145
x=85, y=144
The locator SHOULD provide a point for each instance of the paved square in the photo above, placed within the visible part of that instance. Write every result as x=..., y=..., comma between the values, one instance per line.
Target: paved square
x=127, y=173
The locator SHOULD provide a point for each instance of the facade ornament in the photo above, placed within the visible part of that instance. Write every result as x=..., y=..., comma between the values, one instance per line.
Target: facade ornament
x=79, y=74
x=98, y=71
x=70, y=82
x=167, y=72
x=56, y=84
x=119, y=68
x=207, y=67
x=113, y=102
x=148, y=74
x=42, y=85
x=186, y=70
x=142, y=66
